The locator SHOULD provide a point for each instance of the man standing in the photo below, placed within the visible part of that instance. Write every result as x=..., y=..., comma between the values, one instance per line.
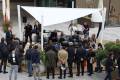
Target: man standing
x=62, y=58
x=4, y=55
x=28, y=57
x=109, y=67
x=79, y=57
x=36, y=62
x=51, y=61
x=13, y=59
x=71, y=55
x=28, y=33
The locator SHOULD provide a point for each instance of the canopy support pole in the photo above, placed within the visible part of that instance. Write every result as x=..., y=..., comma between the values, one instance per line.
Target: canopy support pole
x=103, y=23
x=19, y=22
x=42, y=40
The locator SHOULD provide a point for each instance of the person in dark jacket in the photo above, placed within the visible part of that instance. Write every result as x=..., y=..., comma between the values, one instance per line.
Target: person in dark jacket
x=71, y=55
x=36, y=62
x=80, y=57
x=90, y=61
x=109, y=67
x=51, y=61
x=28, y=33
x=118, y=63
x=14, y=61
x=4, y=55
x=28, y=57
x=9, y=36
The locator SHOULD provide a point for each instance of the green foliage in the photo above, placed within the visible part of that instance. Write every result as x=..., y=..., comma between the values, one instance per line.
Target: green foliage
x=43, y=56
x=113, y=47
x=101, y=54
x=108, y=45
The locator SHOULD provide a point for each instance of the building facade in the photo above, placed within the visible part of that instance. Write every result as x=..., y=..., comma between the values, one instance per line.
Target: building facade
x=113, y=6
x=113, y=9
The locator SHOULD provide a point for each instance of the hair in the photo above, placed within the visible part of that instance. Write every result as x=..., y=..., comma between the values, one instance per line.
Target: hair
x=35, y=47
x=2, y=39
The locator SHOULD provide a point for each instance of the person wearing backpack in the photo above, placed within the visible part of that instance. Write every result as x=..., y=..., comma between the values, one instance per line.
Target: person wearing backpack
x=4, y=55
x=13, y=59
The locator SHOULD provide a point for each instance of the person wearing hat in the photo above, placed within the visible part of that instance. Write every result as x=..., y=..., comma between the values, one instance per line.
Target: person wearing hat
x=71, y=55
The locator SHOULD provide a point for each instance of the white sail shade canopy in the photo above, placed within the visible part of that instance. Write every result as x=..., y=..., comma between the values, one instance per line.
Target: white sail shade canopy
x=52, y=16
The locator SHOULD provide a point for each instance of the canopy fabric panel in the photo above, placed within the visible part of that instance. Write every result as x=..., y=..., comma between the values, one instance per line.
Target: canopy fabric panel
x=49, y=16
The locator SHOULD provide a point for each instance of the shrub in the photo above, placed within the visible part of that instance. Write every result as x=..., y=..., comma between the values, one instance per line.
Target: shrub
x=101, y=54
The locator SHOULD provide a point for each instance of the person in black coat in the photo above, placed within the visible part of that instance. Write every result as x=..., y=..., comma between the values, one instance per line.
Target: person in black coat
x=109, y=67
x=14, y=60
x=28, y=33
x=71, y=56
x=4, y=55
x=118, y=63
x=9, y=36
x=28, y=57
x=80, y=57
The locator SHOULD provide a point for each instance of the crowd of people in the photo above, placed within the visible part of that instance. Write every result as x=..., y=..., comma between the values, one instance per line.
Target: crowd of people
x=60, y=53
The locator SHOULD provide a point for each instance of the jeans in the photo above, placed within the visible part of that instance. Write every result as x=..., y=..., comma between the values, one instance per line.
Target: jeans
x=36, y=71
x=14, y=68
x=108, y=76
x=29, y=65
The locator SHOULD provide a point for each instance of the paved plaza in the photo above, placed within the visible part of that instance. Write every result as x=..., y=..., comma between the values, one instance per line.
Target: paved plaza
x=24, y=76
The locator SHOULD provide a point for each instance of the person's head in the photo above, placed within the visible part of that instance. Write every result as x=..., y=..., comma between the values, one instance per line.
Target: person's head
x=2, y=39
x=100, y=46
x=10, y=29
x=35, y=46
x=110, y=55
x=85, y=23
x=70, y=44
x=117, y=41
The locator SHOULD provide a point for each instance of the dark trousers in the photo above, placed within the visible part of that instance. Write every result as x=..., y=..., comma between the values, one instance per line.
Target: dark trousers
x=28, y=36
x=62, y=71
x=70, y=68
x=98, y=67
x=89, y=67
x=4, y=64
x=50, y=69
x=108, y=76
x=119, y=71
x=80, y=66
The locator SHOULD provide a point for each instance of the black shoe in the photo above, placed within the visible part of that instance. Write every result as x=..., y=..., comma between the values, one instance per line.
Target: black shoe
x=47, y=77
x=0, y=71
x=89, y=74
x=82, y=74
x=30, y=76
x=70, y=76
x=77, y=74
x=59, y=77
x=64, y=77
x=5, y=72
